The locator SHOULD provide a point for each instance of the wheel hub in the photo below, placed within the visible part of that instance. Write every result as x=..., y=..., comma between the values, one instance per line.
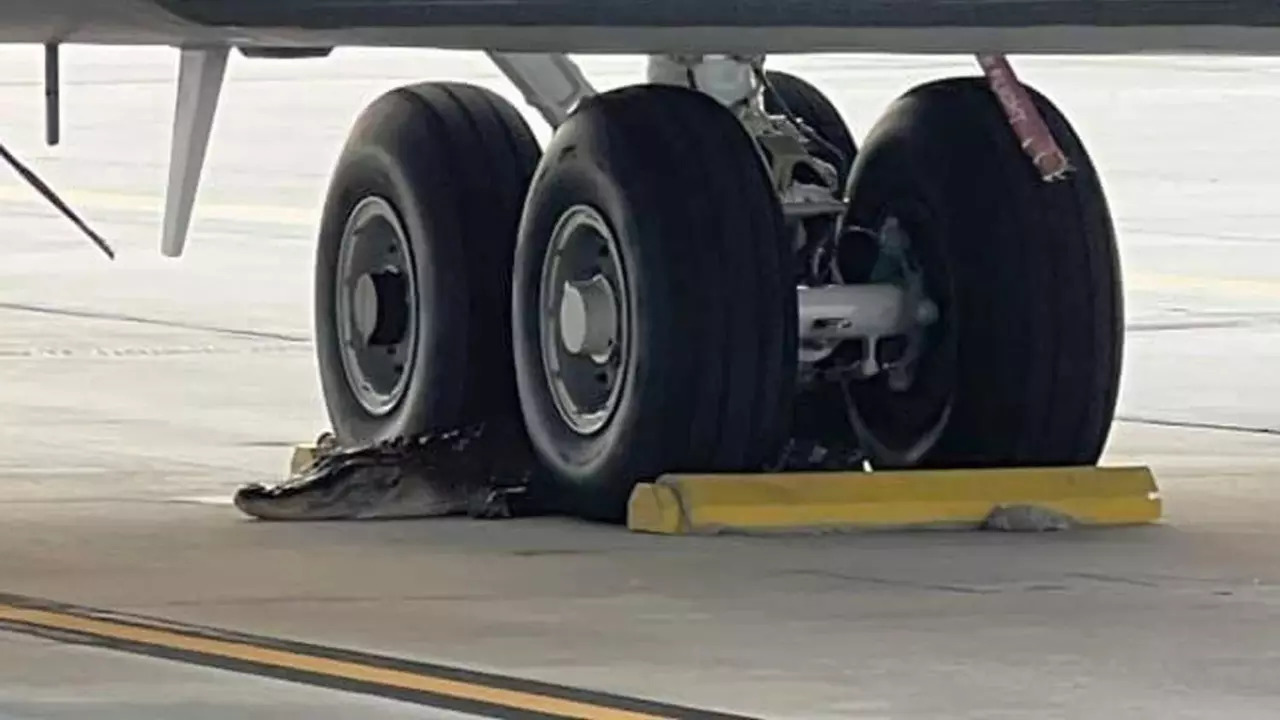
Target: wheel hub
x=376, y=306
x=583, y=329
x=898, y=415
x=381, y=310
x=589, y=318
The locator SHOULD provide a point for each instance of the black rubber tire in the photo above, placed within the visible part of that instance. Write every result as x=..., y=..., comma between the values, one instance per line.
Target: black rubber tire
x=454, y=160
x=818, y=112
x=712, y=355
x=1027, y=273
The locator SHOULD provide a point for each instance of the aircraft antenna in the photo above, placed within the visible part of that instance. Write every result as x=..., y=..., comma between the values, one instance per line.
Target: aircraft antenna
x=49, y=194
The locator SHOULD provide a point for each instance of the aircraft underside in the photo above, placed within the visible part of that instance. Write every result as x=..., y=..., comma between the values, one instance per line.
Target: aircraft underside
x=644, y=26
x=705, y=271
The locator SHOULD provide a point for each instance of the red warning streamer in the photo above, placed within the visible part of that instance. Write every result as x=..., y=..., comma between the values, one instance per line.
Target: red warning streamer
x=1033, y=134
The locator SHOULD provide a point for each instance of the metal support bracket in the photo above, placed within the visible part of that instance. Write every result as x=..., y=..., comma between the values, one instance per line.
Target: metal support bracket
x=551, y=83
x=200, y=75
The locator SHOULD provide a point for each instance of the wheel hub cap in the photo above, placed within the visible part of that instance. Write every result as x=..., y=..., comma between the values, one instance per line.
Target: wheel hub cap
x=589, y=318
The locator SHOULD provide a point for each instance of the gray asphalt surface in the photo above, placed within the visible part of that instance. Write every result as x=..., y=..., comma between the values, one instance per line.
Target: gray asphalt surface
x=138, y=394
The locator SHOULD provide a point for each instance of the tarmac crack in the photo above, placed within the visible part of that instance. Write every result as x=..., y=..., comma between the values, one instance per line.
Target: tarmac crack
x=889, y=582
x=1100, y=577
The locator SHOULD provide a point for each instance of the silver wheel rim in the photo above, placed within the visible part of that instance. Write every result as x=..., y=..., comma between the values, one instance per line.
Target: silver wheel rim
x=584, y=324
x=377, y=305
x=877, y=448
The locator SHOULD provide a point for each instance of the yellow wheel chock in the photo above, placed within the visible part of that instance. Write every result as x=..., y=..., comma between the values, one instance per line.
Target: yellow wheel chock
x=929, y=499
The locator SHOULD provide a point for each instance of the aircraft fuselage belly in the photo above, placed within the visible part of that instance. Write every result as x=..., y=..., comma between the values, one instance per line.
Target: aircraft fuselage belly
x=642, y=26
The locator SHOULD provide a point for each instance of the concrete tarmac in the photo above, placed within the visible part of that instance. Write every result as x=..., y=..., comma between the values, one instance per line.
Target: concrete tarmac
x=137, y=395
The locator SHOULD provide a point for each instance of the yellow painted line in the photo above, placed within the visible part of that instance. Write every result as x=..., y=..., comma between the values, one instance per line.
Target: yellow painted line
x=296, y=661
x=683, y=504
x=1242, y=287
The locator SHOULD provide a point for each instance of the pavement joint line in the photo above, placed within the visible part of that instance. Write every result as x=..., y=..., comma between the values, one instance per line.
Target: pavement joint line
x=1198, y=425
x=440, y=686
x=87, y=314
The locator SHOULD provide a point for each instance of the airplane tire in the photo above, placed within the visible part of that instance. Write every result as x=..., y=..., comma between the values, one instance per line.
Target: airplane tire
x=655, y=312
x=1028, y=348
x=412, y=280
x=794, y=95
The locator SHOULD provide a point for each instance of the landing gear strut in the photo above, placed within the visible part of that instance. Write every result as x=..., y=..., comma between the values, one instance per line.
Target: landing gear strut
x=703, y=269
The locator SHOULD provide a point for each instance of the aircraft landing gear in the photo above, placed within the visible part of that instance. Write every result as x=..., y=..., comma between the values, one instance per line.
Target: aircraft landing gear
x=704, y=267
